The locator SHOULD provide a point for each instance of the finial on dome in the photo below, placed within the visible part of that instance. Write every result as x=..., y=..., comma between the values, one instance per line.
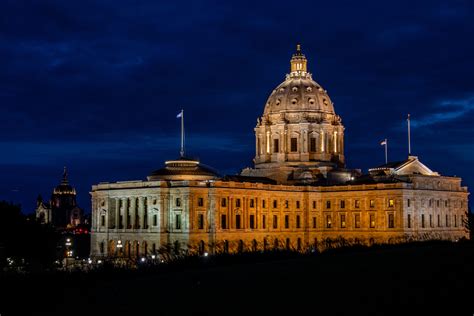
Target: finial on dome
x=298, y=61
x=64, y=175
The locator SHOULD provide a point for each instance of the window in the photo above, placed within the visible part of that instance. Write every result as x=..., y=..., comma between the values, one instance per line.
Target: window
x=223, y=222
x=237, y=221
x=294, y=144
x=312, y=144
x=357, y=221
x=357, y=203
x=298, y=221
x=314, y=204
x=423, y=220
x=298, y=244
x=372, y=203
x=286, y=203
x=430, y=203
x=447, y=220
x=102, y=247
x=155, y=220
x=178, y=202
x=391, y=203
x=276, y=147
x=102, y=220
x=237, y=202
x=343, y=221
x=372, y=220
x=328, y=204
x=252, y=221
x=462, y=220
x=252, y=203
x=223, y=202
x=264, y=221
x=275, y=221
x=328, y=221
x=200, y=202
x=343, y=204
x=446, y=203
x=288, y=244
x=263, y=204
x=439, y=221
x=178, y=221
x=201, y=221
x=431, y=220
x=275, y=203
x=287, y=221
x=408, y=202
x=437, y=203
x=297, y=204
x=314, y=222
x=391, y=221
x=409, y=221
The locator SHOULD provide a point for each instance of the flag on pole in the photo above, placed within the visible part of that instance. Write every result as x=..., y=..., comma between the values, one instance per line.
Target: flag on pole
x=179, y=114
x=384, y=142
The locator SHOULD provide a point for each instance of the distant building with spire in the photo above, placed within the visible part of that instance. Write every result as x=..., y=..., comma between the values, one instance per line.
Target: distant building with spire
x=61, y=210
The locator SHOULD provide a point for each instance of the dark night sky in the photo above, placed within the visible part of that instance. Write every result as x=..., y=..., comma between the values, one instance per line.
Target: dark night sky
x=96, y=85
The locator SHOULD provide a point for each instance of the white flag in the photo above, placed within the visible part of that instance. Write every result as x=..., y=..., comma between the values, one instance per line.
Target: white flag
x=384, y=142
x=179, y=114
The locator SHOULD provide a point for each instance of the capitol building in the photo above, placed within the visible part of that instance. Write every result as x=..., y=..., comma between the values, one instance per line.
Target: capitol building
x=299, y=195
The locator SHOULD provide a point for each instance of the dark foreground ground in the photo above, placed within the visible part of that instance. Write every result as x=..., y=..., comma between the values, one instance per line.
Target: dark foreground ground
x=424, y=279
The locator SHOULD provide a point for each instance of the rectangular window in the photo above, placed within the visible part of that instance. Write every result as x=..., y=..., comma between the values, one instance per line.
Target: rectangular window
x=276, y=147
x=275, y=221
x=223, y=202
x=298, y=221
x=328, y=221
x=437, y=203
x=252, y=221
x=252, y=203
x=343, y=221
x=275, y=203
x=431, y=220
x=391, y=221
x=423, y=220
x=409, y=221
x=237, y=202
x=328, y=204
x=391, y=203
x=297, y=204
x=155, y=220
x=357, y=221
x=343, y=204
x=446, y=203
x=294, y=144
x=430, y=203
x=200, y=202
x=287, y=221
x=263, y=204
x=178, y=221
x=447, y=220
x=372, y=220
x=178, y=202
x=357, y=204
x=201, y=221
x=286, y=204
x=223, y=222
x=237, y=221
x=312, y=144
x=372, y=203
x=408, y=202
x=264, y=222
x=314, y=222
x=439, y=221
x=314, y=204
x=455, y=221
x=102, y=220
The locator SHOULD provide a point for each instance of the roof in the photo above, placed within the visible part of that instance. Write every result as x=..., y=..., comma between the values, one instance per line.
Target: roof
x=181, y=168
x=239, y=178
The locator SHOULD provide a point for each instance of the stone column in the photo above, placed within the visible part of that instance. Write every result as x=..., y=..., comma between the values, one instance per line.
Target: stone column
x=140, y=212
x=133, y=210
x=125, y=213
x=117, y=213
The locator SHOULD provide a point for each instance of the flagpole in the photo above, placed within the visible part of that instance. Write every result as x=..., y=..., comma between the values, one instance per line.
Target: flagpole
x=409, y=136
x=386, y=156
x=182, y=134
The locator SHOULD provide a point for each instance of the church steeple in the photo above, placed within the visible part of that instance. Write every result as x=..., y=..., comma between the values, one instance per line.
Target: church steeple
x=298, y=61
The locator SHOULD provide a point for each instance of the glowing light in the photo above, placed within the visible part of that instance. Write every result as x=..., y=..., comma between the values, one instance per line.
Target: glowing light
x=99, y=261
x=153, y=256
x=142, y=259
x=206, y=254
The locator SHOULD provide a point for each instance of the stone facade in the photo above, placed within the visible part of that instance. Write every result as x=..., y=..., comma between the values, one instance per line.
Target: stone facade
x=297, y=199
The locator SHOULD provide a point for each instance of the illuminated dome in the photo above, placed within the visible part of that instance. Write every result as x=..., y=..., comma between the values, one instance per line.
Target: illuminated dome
x=64, y=188
x=183, y=169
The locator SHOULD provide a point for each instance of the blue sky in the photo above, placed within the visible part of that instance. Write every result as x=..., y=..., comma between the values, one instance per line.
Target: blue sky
x=96, y=86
